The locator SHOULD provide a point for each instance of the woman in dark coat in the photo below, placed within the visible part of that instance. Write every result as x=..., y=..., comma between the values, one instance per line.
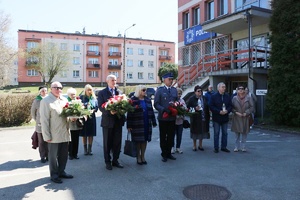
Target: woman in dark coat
x=198, y=129
x=90, y=102
x=140, y=122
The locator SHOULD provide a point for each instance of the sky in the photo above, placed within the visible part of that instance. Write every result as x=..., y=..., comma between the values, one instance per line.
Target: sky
x=154, y=19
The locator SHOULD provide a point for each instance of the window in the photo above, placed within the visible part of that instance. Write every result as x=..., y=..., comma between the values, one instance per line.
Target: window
x=115, y=73
x=93, y=61
x=210, y=10
x=162, y=64
x=140, y=75
x=113, y=61
x=150, y=76
x=76, y=47
x=113, y=49
x=196, y=16
x=32, y=60
x=75, y=73
x=150, y=64
x=76, y=60
x=141, y=63
x=129, y=63
x=186, y=56
x=93, y=74
x=186, y=20
x=129, y=75
x=141, y=51
x=63, y=74
x=94, y=48
x=32, y=72
x=31, y=45
x=223, y=10
x=63, y=46
x=129, y=51
x=164, y=53
x=151, y=52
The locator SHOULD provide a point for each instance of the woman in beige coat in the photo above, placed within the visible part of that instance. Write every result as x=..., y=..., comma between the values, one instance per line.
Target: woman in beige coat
x=242, y=107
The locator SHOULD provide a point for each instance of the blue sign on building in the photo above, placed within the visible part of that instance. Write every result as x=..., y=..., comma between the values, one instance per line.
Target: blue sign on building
x=196, y=34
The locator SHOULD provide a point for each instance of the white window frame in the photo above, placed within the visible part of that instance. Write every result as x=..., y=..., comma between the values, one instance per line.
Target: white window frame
x=93, y=74
x=140, y=75
x=76, y=61
x=129, y=63
x=114, y=73
x=93, y=61
x=63, y=46
x=150, y=76
x=76, y=47
x=32, y=72
x=129, y=51
x=31, y=45
x=164, y=53
x=150, y=63
x=151, y=52
x=113, y=49
x=141, y=51
x=63, y=74
x=141, y=63
x=186, y=20
x=223, y=7
x=210, y=10
x=76, y=74
x=113, y=61
x=129, y=75
x=196, y=16
x=94, y=48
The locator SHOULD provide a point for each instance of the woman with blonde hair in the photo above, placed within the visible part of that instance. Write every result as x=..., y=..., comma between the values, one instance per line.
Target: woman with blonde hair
x=141, y=121
x=89, y=129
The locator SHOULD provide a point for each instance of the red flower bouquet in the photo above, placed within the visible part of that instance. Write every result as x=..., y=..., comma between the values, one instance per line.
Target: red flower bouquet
x=176, y=108
x=74, y=109
x=120, y=104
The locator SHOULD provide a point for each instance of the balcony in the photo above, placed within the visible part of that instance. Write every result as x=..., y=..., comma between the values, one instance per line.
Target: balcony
x=93, y=66
x=31, y=63
x=93, y=53
x=114, y=54
x=161, y=57
x=118, y=67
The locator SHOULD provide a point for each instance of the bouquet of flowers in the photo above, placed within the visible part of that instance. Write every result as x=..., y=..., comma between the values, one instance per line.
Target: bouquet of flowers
x=176, y=108
x=120, y=104
x=75, y=109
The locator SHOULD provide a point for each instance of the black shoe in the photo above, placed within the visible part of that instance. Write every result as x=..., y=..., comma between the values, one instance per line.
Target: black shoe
x=71, y=157
x=144, y=162
x=200, y=148
x=56, y=180
x=194, y=149
x=65, y=175
x=108, y=166
x=117, y=164
x=43, y=160
x=76, y=157
x=139, y=163
x=164, y=159
x=216, y=150
x=225, y=150
x=171, y=157
x=47, y=159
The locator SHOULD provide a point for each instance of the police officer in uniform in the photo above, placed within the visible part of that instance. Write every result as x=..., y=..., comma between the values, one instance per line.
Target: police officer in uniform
x=163, y=96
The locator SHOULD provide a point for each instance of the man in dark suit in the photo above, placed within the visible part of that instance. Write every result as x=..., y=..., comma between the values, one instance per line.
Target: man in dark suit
x=163, y=96
x=111, y=125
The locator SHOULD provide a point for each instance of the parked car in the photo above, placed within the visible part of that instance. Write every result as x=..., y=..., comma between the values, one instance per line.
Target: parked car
x=150, y=92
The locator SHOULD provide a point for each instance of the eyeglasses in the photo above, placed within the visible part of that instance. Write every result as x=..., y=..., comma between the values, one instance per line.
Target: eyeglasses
x=58, y=88
x=241, y=89
x=198, y=91
x=144, y=90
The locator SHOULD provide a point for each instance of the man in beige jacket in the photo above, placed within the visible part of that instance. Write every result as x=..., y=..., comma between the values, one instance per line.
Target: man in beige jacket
x=55, y=132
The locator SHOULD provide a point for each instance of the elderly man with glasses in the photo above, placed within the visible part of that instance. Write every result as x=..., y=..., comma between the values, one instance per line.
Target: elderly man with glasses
x=55, y=132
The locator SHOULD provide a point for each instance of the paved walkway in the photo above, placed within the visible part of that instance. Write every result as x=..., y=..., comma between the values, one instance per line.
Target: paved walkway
x=269, y=170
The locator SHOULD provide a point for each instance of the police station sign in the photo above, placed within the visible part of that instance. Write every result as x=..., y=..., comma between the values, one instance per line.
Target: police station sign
x=196, y=34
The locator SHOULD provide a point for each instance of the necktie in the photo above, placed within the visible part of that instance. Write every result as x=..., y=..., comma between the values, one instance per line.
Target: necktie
x=169, y=90
x=112, y=91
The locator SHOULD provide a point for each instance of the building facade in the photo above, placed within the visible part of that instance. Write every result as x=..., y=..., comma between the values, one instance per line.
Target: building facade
x=93, y=57
x=224, y=41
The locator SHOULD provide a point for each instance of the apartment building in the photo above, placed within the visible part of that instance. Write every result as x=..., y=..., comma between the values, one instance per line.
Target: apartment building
x=92, y=57
x=223, y=40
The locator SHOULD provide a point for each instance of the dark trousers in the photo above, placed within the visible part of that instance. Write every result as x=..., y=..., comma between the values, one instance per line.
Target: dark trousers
x=43, y=146
x=73, y=145
x=58, y=156
x=112, y=141
x=166, y=136
x=178, y=134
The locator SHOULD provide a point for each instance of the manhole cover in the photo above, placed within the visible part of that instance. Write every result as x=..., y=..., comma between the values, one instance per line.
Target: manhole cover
x=206, y=192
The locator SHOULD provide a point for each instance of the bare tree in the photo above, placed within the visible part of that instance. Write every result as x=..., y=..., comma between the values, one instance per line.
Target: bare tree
x=48, y=60
x=7, y=53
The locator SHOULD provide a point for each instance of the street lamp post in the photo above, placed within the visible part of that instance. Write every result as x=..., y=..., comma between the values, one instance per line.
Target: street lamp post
x=124, y=56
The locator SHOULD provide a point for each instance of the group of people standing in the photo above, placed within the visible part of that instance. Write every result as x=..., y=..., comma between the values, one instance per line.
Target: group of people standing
x=59, y=136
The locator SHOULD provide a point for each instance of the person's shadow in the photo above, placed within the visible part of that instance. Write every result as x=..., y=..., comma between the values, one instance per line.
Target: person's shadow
x=12, y=165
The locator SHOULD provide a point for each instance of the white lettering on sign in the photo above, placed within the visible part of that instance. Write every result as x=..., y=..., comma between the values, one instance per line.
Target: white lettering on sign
x=200, y=32
x=261, y=92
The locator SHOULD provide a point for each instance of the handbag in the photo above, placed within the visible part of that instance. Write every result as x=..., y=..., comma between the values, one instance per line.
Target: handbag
x=130, y=147
x=186, y=124
x=80, y=122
